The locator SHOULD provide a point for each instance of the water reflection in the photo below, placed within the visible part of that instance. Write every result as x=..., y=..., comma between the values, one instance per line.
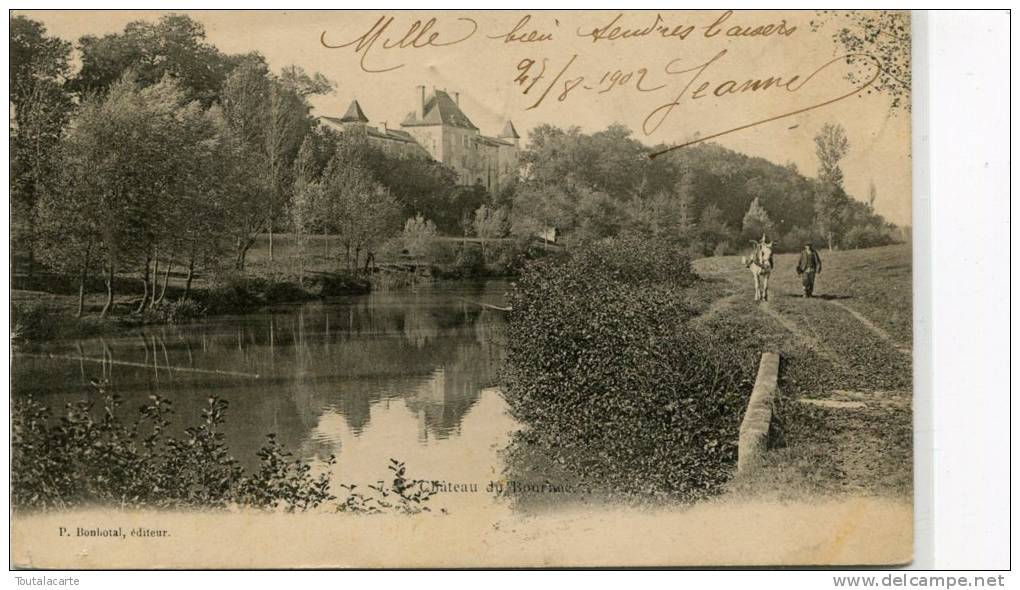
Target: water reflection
x=399, y=374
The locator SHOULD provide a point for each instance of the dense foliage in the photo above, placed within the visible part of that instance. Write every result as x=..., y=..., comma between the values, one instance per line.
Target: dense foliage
x=592, y=186
x=611, y=380
x=94, y=456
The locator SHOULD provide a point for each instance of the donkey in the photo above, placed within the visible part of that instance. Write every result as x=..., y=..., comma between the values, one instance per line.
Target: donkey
x=760, y=264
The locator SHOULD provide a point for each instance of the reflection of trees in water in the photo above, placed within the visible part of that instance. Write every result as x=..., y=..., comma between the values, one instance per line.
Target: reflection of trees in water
x=441, y=402
x=435, y=354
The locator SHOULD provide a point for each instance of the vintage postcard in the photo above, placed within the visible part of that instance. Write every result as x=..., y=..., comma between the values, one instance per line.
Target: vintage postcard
x=379, y=289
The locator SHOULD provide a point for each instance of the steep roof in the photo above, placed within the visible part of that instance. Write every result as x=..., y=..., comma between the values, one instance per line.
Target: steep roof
x=509, y=130
x=391, y=134
x=493, y=141
x=440, y=109
x=354, y=114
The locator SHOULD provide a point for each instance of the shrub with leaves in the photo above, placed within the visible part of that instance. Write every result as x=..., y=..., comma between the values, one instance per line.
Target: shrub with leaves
x=91, y=456
x=611, y=380
x=403, y=495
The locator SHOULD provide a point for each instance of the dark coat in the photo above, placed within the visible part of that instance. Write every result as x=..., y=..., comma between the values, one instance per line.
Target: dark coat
x=809, y=260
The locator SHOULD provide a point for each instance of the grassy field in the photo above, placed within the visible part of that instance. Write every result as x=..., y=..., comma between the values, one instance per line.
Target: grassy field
x=846, y=374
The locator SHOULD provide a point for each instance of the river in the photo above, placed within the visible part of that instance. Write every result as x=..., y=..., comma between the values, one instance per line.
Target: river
x=409, y=375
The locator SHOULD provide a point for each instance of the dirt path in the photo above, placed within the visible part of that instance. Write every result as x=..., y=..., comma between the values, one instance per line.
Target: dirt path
x=871, y=326
x=834, y=330
x=847, y=371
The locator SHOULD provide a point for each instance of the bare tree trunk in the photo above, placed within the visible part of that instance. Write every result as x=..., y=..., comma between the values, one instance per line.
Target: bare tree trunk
x=81, y=296
x=369, y=259
x=270, y=224
x=357, y=257
x=31, y=264
x=83, y=279
x=187, y=282
x=155, y=275
x=109, y=287
x=166, y=280
x=242, y=253
x=145, y=285
x=301, y=256
x=348, y=256
x=325, y=245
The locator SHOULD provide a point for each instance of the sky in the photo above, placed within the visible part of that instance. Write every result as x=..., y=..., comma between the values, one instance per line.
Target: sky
x=470, y=53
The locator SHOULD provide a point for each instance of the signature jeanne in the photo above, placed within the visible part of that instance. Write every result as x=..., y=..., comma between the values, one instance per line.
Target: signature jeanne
x=693, y=83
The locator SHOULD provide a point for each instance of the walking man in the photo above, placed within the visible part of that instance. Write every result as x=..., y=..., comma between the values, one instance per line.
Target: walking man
x=809, y=265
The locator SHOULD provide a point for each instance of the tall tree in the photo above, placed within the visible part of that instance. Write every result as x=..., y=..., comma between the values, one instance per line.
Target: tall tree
x=419, y=236
x=347, y=186
x=756, y=221
x=126, y=156
x=40, y=108
x=269, y=118
x=490, y=223
x=381, y=217
x=831, y=145
x=198, y=209
x=306, y=199
x=713, y=231
x=831, y=200
x=174, y=46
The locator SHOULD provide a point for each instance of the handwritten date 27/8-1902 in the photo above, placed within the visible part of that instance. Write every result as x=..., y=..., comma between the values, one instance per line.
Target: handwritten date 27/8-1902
x=682, y=78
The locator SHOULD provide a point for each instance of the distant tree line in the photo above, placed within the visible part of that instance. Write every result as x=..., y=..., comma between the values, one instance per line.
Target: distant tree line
x=603, y=184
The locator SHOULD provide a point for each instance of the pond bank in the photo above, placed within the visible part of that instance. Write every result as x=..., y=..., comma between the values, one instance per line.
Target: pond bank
x=49, y=313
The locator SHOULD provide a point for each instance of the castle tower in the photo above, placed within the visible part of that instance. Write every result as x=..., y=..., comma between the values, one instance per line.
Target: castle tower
x=509, y=133
x=354, y=115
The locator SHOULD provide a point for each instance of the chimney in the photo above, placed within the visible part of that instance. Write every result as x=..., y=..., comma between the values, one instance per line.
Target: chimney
x=456, y=98
x=420, y=111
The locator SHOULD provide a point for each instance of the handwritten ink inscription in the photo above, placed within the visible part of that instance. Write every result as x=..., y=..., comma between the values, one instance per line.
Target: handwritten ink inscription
x=417, y=35
x=681, y=79
x=521, y=33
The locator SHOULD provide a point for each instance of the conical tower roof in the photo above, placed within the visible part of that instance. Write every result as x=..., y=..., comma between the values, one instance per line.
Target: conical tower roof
x=509, y=131
x=354, y=114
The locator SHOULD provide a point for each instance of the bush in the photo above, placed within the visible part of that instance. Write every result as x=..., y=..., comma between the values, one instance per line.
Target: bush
x=180, y=311
x=609, y=378
x=866, y=236
x=238, y=293
x=341, y=284
x=38, y=321
x=93, y=457
x=34, y=321
x=795, y=239
x=83, y=460
x=637, y=260
x=230, y=293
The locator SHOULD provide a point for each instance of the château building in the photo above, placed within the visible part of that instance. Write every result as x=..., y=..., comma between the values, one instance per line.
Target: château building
x=437, y=128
